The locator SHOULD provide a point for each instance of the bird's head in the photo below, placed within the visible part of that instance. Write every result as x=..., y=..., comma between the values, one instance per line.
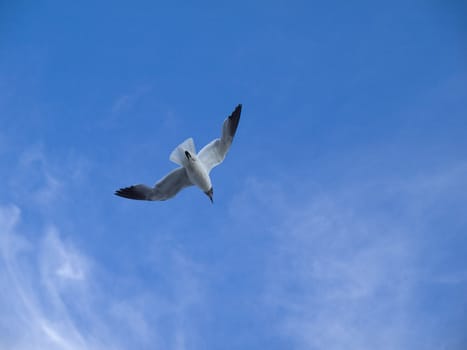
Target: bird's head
x=210, y=194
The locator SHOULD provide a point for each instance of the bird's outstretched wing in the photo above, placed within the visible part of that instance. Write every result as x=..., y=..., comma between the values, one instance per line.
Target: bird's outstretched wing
x=164, y=189
x=214, y=152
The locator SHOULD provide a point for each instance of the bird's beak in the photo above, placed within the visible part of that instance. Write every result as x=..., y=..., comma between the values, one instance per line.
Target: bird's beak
x=210, y=193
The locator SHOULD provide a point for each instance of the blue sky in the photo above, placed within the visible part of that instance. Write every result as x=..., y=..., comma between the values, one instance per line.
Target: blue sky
x=339, y=216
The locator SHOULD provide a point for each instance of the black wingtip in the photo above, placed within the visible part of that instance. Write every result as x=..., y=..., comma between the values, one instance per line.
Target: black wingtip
x=238, y=109
x=235, y=119
x=130, y=193
x=123, y=192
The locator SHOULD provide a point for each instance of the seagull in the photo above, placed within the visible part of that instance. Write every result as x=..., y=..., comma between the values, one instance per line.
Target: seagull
x=194, y=168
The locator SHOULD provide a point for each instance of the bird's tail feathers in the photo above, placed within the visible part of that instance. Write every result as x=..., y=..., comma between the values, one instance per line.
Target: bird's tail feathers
x=178, y=154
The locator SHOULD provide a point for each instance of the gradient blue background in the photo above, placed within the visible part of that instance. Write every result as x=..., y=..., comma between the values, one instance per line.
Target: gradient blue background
x=340, y=214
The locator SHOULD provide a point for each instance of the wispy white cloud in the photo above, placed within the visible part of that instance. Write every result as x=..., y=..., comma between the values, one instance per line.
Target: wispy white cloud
x=345, y=270
x=56, y=297
x=126, y=101
x=34, y=179
x=339, y=278
x=38, y=180
x=34, y=288
x=120, y=103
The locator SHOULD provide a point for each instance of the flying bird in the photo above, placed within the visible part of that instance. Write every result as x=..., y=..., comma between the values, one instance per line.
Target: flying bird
x=194, y=168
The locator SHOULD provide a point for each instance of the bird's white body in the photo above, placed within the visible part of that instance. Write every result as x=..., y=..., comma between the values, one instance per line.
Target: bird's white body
x=197, y=173
x=194, y=167
x=185, y=155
